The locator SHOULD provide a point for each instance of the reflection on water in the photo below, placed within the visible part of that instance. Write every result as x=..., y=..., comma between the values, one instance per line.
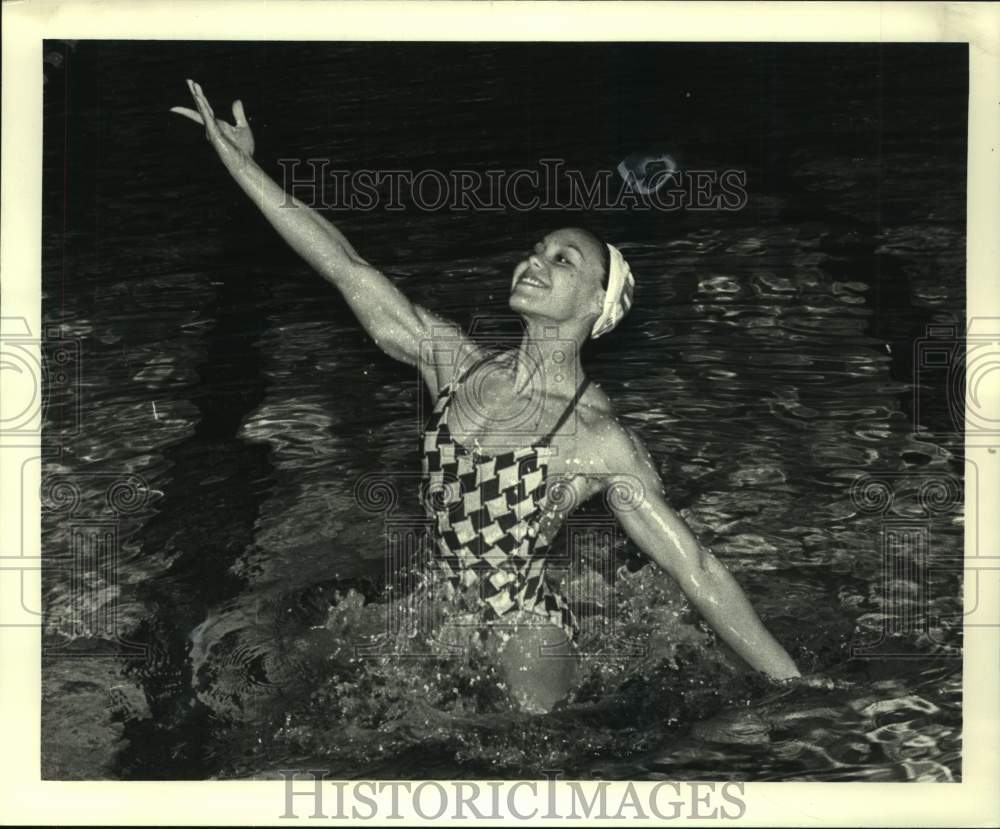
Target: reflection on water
x=767, y=365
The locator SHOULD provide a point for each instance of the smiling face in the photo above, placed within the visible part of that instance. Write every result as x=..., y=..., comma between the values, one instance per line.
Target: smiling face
x=563, y=280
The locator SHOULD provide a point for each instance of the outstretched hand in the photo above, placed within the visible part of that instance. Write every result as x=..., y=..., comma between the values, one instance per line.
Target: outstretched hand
x=233, y=142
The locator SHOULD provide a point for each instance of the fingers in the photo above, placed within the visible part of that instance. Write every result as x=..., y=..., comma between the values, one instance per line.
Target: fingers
x=188, y=113
x=204, y=109
x=199, y=101
x=199, y=96
x=239, y=114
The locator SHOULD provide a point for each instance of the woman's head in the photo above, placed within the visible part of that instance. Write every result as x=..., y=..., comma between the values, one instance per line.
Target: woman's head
x=565, y=279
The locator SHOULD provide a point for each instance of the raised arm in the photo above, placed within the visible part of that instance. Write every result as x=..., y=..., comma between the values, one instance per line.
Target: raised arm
x=662, y=534
x=402, y=329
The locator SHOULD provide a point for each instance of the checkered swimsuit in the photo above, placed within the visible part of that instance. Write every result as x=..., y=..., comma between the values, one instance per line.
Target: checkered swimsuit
x=486, y=512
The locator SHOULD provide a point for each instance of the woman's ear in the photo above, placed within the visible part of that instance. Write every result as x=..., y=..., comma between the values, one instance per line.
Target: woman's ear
x=597, y=302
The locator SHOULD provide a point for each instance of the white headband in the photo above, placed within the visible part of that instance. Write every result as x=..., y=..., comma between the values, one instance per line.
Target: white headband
x=618, y=297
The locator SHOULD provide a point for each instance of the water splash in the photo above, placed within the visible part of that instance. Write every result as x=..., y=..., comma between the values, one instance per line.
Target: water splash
x=363, y=710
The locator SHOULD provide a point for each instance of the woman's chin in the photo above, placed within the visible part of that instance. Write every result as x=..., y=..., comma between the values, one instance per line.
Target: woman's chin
x=527, y=306
x=518, y=303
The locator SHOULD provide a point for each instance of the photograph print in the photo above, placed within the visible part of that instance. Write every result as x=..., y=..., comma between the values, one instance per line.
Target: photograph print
x=425, y=410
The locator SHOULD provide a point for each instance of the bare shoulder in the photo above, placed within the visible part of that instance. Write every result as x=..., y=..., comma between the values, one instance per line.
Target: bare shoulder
x=608, y=445
x=444, y=348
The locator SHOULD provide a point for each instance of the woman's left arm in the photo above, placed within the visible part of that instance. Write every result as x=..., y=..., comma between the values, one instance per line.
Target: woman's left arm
x=638, y=501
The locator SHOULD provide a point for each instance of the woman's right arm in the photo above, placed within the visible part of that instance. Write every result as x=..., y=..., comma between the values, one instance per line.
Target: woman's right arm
x=402, y=329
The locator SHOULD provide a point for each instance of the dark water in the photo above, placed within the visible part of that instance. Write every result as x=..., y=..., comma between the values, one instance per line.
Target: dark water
x=768, y=365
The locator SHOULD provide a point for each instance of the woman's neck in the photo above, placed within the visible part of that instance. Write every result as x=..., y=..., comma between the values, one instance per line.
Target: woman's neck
x=547, y=361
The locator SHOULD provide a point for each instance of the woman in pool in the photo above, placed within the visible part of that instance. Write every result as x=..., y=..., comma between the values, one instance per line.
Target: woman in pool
x=488, y=486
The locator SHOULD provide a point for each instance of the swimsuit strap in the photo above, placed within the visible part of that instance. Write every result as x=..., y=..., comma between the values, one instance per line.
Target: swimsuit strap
x=566, y=412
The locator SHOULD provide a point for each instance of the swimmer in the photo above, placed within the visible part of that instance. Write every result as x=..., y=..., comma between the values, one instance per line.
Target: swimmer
x=496, y=495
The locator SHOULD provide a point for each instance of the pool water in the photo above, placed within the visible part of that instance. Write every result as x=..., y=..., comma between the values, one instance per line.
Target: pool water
x=768, y=365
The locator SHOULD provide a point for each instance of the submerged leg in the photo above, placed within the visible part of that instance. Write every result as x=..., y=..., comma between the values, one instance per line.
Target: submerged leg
x=537, y=661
